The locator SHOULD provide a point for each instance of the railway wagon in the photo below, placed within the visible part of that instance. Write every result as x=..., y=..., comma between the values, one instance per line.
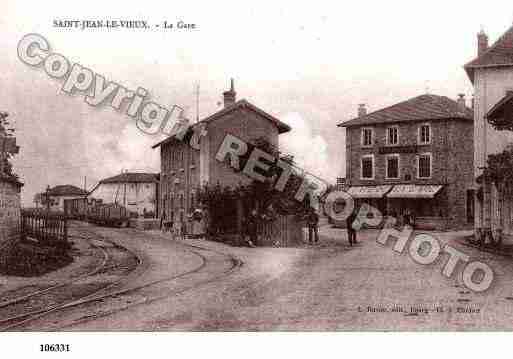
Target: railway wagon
x=94, y=211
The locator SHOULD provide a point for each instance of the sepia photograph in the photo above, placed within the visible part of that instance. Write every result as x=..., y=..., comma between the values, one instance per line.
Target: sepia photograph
x=274, y=167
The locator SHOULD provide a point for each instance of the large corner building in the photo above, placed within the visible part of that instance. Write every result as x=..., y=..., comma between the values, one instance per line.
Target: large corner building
x=416, y=155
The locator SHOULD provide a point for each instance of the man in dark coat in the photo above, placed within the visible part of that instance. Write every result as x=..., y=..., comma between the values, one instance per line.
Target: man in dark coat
x=351, y=232
x=252, y=228
x=313, y=224
x=163, y=221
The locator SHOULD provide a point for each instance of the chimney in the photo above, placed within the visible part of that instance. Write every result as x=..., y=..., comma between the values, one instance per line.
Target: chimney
x=482, y=42
x=461, y=103
x=230, y=96
x=362, y=110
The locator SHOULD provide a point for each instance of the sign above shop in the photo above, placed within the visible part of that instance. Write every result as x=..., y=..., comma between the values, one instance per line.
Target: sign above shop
x=397, y=149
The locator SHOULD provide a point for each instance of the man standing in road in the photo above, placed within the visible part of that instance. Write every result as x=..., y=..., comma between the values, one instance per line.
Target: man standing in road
x=313, y=224
x=163, y=221
x=351, y=232
x=252, y=228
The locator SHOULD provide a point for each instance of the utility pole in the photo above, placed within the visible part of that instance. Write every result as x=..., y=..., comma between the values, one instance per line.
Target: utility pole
x=48, y=198
x=197, y=101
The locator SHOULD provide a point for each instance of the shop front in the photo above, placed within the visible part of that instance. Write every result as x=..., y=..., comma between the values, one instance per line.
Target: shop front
x=373, y=196
x=424, y=204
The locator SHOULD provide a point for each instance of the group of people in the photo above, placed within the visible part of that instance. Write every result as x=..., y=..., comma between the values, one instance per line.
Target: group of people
x=251, y=225
x=168, y=225
x=312, y=220
x=253, y=219
x=180, y=229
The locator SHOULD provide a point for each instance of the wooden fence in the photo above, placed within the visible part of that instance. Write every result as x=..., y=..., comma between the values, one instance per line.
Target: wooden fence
x=283, y=232
x=47, y=228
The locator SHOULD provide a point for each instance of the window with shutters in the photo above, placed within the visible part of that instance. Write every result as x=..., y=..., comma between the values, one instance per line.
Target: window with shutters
x=367, y=137
x=425, y=134
x=392, y=166
x=367, y=167
x=424, y=165
x=393, y=135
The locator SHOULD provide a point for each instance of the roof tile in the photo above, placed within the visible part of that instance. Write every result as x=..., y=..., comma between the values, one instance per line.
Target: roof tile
x=131, y=177
x=420, y=108
x=66, y=190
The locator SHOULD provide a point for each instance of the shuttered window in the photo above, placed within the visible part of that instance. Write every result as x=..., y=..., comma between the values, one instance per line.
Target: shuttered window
x=366, y=136
x=392, y=135
x=425, y=134
x=393, y=167
x=424, y=166
x=368, y=167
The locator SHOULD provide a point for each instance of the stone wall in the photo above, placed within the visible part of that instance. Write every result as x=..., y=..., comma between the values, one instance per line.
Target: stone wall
x=10, y=208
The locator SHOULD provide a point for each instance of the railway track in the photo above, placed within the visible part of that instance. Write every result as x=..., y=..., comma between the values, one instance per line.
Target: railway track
x=21, y=320
x=235, y=264
x=117, y=262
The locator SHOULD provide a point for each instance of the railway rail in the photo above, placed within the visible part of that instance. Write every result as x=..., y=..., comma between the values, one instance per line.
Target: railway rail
x=17, y=321
x=117, y=262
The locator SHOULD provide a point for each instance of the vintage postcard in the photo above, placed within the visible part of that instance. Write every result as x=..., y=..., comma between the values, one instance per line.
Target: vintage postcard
x=251, y=166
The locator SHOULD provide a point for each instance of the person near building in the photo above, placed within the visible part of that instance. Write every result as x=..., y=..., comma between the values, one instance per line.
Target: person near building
x=351, y=232
x=183, y=229
x=163, y=221
x=251, y=228
x=313, y=226
x=409, y=218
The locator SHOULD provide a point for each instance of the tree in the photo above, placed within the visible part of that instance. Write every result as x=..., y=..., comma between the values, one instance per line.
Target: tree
x=7, y=145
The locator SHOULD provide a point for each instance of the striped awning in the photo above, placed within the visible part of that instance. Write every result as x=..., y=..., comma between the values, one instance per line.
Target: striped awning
x=414, y=191
x=368, y=191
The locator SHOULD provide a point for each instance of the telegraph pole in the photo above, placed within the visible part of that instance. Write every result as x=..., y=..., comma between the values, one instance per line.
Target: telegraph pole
x=197, y=101
x=48, y=198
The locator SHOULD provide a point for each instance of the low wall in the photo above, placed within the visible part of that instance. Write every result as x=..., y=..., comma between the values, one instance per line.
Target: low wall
x=10, y=208
x=145, y=224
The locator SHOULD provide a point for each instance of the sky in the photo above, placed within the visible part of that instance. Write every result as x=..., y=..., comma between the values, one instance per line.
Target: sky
x=309, y=64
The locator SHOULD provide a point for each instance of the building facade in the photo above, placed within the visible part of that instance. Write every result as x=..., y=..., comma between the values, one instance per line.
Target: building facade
x=414, y=156
x=54, y=197
x=185, y=168
x=491, y=74
x=137, y=192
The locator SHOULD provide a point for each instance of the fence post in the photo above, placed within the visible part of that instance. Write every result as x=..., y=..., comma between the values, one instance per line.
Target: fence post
x=65, y=229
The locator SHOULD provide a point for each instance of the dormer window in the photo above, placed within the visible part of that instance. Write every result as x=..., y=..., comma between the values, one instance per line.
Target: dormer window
x=392, y=135
x=367, y=137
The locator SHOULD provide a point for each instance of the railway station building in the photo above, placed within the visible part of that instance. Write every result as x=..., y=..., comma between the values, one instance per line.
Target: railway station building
x=185, y=168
